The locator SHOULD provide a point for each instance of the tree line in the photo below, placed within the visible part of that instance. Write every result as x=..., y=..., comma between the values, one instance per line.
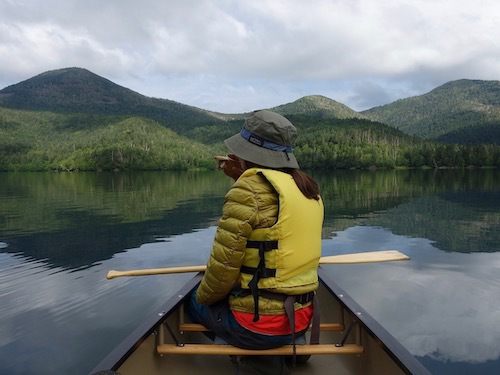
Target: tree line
x=38, y=141
x=363, y=144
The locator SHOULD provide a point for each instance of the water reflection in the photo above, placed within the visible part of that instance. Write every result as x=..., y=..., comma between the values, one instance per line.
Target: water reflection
x=451, y=208
x=91, y=216
x=439, y=305
x=64, y=322
x=76, y=220
x=61, y=233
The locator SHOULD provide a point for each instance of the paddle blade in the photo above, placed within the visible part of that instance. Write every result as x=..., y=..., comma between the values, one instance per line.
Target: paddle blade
x=368, y=257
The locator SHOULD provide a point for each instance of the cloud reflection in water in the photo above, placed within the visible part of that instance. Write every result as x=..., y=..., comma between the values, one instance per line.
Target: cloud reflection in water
x=439, y=304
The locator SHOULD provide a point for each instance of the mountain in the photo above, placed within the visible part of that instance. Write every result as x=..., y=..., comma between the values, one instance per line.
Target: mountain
x=318, y=106
x=77, y=90
x=463, y=111
x=73, y=119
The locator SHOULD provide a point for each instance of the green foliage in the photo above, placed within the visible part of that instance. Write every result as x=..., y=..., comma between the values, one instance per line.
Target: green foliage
x=318, y=106
x=452, y=113
x=214, y=134
x=485, y=133
x=36, y=141
x=72, y=119
x=44, y=141
x=363, y=144
x=76, y=90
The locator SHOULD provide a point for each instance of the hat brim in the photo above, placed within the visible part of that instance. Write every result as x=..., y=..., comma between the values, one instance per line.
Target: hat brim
x=260, y=155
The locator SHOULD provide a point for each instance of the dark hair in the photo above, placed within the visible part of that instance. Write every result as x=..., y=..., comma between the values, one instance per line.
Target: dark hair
x=306, y=184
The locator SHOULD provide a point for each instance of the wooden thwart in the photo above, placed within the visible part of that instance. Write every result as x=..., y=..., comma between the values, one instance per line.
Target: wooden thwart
x=216, y=349
x=213, y=349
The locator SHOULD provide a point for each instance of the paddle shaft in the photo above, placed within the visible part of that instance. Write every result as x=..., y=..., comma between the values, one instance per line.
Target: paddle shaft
x=368, y=257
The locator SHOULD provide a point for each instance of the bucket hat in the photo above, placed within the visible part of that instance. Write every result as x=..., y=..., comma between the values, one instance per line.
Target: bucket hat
x=266, y=139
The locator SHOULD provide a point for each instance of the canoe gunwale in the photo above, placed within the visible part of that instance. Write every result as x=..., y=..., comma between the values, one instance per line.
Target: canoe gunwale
x=407, y=362
x=400, y=355
x=120, y=354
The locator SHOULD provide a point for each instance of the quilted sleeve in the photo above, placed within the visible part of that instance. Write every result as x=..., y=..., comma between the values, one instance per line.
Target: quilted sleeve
x=239, y=215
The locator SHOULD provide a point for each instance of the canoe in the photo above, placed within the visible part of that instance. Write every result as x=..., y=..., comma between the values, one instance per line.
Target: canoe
x=351, y=342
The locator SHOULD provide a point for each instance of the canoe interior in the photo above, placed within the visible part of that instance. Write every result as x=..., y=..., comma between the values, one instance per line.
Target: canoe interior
x=382, y=354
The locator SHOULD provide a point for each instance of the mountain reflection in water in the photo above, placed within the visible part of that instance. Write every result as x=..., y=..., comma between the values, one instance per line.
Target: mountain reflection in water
x=61, y=233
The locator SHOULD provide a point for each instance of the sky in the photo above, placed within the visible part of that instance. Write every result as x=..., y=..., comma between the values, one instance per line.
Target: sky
x=238, y=56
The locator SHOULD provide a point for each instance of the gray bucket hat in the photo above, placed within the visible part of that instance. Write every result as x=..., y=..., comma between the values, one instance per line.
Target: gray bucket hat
x=266, y=139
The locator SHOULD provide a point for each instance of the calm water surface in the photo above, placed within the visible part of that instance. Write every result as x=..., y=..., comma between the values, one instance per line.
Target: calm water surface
x=61, y=233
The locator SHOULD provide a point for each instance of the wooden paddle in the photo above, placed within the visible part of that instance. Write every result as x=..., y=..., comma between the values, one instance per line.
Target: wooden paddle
x=368, y=257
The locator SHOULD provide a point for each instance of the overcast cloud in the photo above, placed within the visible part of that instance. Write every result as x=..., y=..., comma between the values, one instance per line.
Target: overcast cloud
x=237, y=56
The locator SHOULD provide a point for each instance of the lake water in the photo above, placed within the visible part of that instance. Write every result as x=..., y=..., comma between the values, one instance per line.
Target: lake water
x=61, y=233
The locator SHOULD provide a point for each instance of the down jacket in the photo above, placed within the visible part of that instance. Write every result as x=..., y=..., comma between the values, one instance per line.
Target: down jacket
x=250, y=204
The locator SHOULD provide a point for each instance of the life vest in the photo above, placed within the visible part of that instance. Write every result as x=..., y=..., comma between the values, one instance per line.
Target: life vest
x=285, y=257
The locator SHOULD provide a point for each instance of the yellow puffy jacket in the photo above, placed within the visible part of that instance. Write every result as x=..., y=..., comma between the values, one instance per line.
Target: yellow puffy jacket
x=264, y=205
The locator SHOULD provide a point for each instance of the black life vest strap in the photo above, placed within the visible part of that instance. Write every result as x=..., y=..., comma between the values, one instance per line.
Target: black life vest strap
x=288, y=304
x=259, y=272
x=264, y=272
x=290, y=313
x=266, y=245
x=315, y=329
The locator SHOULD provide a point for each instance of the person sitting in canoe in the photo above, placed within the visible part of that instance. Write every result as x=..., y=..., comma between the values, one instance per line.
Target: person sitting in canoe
x=258, y=291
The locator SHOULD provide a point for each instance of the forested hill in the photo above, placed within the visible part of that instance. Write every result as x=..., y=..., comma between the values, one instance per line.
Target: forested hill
x=77, y=90
x=72, y=119
x=463, y=111
x=318, y=106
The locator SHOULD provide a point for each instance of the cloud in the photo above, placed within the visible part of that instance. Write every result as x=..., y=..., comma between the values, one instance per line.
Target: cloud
x=363, y=52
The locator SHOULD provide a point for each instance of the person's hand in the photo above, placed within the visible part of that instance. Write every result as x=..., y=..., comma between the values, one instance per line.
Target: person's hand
x=230, y=164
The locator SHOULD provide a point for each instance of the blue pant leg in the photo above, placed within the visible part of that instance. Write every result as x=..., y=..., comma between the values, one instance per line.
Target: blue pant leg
x=199, y=313
x=219, y=319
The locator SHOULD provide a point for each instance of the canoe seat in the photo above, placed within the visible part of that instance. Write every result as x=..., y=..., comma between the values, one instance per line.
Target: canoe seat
x=214, y=349
x=224, y=349
x=193, y=327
